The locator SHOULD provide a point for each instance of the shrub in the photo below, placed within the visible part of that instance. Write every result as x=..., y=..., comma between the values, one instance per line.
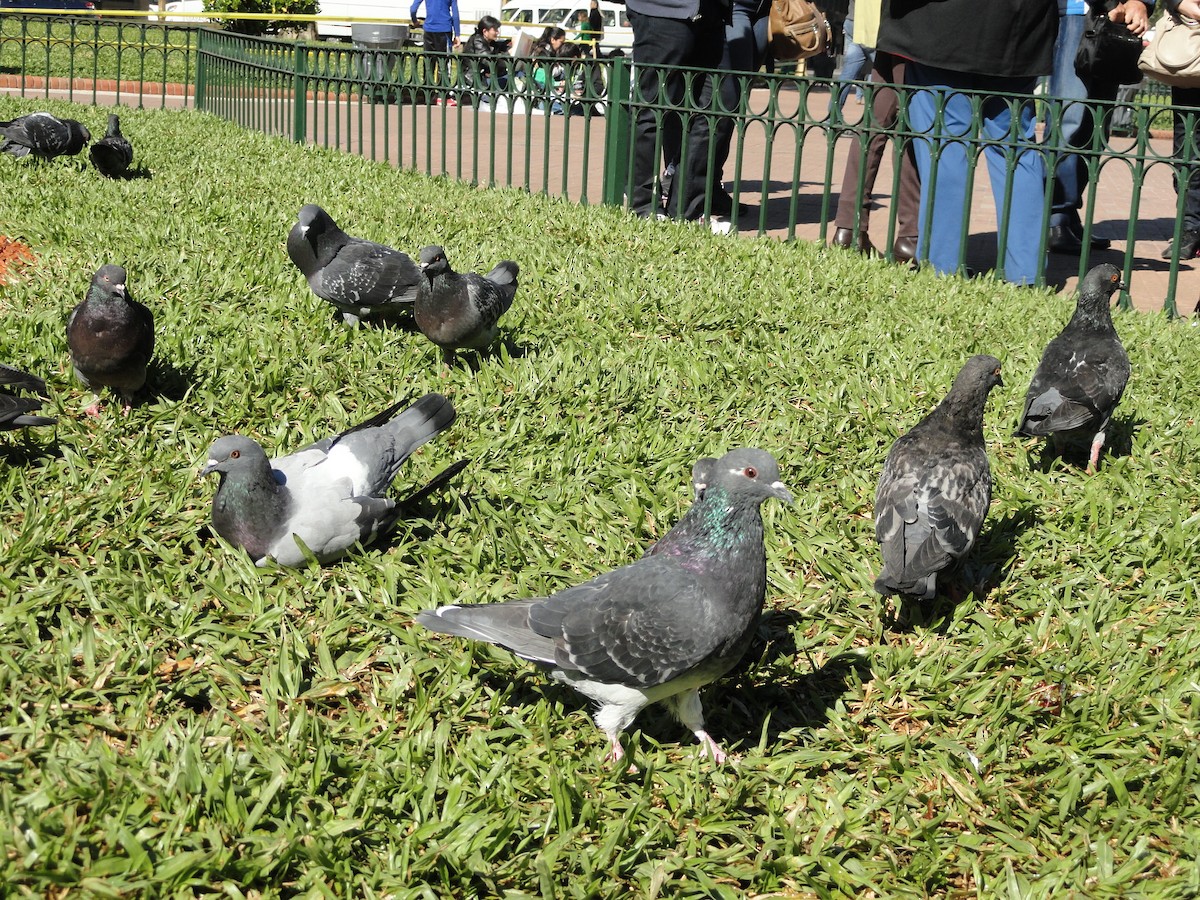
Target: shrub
x=283, y=8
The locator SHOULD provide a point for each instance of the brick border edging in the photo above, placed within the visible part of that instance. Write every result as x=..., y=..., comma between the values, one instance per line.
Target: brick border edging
x=59, y=83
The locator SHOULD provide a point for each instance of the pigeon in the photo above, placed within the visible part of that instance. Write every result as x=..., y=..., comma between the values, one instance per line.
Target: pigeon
x=111, y=338
x=1083, y=371
x=327, y=496
x=460, y=311
x=362, y=279
x=14, y=410
x=936, y=487
x=43, y=135
x=659, y=628
x=112, y=154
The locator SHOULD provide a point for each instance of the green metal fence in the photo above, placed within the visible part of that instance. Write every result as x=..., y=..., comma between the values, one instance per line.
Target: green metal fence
x=568, y=131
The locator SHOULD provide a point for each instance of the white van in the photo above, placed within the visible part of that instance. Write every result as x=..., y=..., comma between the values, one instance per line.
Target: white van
x=531, y=16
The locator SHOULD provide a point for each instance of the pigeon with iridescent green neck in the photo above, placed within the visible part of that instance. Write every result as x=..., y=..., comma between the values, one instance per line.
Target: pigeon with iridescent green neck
x=657, y=629
x=460, y=310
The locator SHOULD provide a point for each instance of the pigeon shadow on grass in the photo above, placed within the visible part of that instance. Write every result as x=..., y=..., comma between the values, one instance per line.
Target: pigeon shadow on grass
x=167, y=381
x=972, y=579
x=29, y=450
x=141, y=173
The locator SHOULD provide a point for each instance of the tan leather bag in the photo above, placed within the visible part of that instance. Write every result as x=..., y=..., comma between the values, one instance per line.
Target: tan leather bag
x=797, y=30
x=1173, y=56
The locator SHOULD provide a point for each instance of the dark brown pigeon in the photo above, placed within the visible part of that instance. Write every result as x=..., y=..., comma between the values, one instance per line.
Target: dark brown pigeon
x=14, y=410
x=936, y=487
x=111, y=338
x=461, y=310
x=43, y=135
x=328, y=495
x=112, y=154
x=363, y=280
x=660, y=628
x=1083, y=371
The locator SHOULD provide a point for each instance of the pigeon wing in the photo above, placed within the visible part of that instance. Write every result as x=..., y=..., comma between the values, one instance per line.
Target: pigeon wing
x=369, y=274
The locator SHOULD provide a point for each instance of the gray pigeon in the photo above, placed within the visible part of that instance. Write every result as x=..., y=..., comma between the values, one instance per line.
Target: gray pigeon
x=14, y=410
x=362, y=279
x=111, y=338
x=112, y=154
x=328, y=495
x=660, y=628
x=43, y=135
x=936, y=487
x=1083, y=371
x=461, y=310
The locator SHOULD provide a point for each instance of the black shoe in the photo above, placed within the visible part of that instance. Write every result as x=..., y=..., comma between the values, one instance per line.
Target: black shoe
x=1063, y=240
x=722, y=205
x=904, y=251
x=1189, y=243
x=844, y=237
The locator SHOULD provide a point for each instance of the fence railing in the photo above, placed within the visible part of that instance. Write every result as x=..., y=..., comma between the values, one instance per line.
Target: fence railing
x=566, y=128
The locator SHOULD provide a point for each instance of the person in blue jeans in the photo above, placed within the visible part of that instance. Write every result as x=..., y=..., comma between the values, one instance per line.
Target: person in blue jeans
x=745, y=50
x=989, y=49
x=856, y=64
x=1076, y=122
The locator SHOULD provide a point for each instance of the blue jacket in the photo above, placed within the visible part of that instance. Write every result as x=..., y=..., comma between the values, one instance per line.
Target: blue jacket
x=440, y=15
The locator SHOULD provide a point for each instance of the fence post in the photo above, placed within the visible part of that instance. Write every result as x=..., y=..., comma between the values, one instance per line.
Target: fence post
x=201, y=69
x=300, y=93
x=618, y=133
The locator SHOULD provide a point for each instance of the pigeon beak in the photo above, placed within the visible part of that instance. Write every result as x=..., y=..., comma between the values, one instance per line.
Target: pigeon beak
x=208, y=468
x=778, y=490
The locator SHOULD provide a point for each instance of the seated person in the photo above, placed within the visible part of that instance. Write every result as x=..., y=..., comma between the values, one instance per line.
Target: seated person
x=481, y=71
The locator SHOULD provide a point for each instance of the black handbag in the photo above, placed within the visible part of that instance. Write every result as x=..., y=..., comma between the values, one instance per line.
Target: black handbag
x=1108, y=53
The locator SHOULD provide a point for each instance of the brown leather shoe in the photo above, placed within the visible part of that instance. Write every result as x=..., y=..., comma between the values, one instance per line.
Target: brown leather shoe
x=904, y=251
x=844, y=237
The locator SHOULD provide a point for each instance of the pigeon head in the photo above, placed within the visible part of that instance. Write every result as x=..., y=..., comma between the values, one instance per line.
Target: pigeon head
x=1095, y=294
x=745, y=473
x=964, y=404
x=79, y=132
x=114, y=125
x=109, y=281
x=234, y=453
x=314, y=220
x=433, y=261
x=702, y=473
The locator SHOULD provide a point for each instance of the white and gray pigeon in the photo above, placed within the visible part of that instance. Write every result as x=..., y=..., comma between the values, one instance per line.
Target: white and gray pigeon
x=460, y=311
x=43, y=135
x=936, y=487
x=328, y=495
x=112, y=154
x=362, y=279
x=15, y=410
x=111, y=338
x=660, y=628
x=1083, y=371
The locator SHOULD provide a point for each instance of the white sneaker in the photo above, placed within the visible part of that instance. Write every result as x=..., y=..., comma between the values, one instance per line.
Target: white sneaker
x=720, y=225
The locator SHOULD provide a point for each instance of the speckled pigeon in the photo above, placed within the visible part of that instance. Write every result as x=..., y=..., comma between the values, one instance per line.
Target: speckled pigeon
x=461, y=310
x=660, y=628
x=362, y=279
x=111, y=338
x=112, y=154
x=328, y=495
x=1083, y=371
x=14, y=410
x=936, y=487
x=43, y=135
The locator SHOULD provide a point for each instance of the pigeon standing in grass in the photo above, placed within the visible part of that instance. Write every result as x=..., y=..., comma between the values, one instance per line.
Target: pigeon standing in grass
x=328, y=495
x=112, y=154
x=936, y=487
x=660, y=628
x=15, y=410
x=1083, y=371
x=43, y=135
x=111, y=338
x=461, y=310
x=362, y=279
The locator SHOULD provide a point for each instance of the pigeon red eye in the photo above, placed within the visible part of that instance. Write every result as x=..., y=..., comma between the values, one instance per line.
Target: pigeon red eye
x=751, y=472
x=234, y=454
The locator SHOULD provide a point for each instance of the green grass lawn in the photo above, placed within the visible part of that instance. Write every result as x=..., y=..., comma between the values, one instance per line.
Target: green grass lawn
x=175, y=722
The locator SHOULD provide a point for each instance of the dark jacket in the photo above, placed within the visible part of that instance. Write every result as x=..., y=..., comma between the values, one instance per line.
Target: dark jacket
x=1006, y=38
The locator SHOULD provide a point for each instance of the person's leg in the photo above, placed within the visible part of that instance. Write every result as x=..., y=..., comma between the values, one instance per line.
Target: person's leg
x=656, y=42
x=738, y=56
x=866, y=160
x=1073, y=125
x=908, y=195
x=1020, y=219
x=689, y=187
x=941, y=161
